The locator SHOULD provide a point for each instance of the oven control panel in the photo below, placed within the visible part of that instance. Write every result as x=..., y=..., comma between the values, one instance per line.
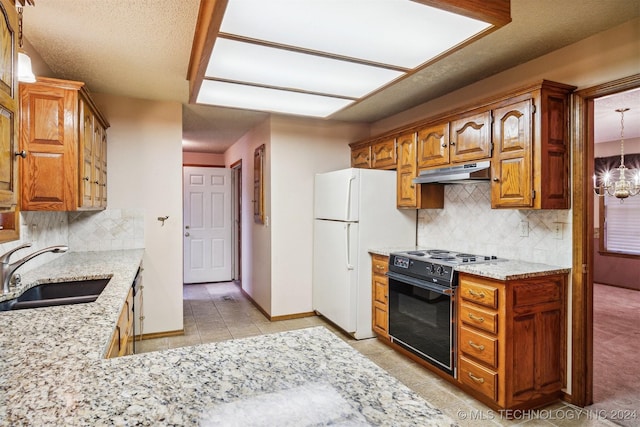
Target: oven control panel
x=401, y=262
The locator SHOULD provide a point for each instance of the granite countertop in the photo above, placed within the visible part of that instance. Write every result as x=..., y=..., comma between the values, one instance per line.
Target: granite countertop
x=502, y=270
x=53, y=371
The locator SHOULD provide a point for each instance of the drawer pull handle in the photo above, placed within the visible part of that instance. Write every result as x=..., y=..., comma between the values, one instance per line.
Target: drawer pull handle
x=476, y=294
x=479, y=347
x=380, y=267
x=476, y=379
x=477, y=319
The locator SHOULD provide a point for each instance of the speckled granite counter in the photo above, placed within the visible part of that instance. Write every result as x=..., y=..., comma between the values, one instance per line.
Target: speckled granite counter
x=512, y=270
x=52, y=371
x=503, y=270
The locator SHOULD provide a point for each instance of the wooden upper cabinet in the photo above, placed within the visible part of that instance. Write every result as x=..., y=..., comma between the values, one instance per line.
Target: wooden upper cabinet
x=512, y=178
x=408, y=194
x=8, y=106
x=361, y=157
x=433, y=146
x=383, y=154
x=9, y=179
x=62, y=170
x=93, y=178
x=471, y=138
x=530, y=167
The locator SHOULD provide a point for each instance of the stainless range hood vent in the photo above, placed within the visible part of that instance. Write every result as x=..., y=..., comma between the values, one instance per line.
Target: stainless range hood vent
x=472, y=172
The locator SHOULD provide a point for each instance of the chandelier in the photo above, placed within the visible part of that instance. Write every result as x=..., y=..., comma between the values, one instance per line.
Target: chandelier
x=615, y=183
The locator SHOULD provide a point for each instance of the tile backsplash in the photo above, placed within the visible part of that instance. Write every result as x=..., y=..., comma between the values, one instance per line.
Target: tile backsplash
x=111, y=229
x=467, y=223
x=107, y=230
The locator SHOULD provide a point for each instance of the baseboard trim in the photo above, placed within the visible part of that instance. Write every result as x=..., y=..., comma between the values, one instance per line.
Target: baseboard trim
x=159, y=335
x=274, y=318
x=292, y=316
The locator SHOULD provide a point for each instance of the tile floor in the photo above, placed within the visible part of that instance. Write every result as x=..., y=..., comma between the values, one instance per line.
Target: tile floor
x=219, y=311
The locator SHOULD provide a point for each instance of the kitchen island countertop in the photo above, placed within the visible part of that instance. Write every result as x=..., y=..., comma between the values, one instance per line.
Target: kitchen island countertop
x=53, y=371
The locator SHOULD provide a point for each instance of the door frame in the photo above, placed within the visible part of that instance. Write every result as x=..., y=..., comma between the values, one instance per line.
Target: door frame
x=583, y=246
x=236, y=214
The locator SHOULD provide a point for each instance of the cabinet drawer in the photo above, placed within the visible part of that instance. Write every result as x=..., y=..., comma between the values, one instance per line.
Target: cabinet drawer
x=479, y=378
x=478, y=293
x=380, y=264
x=537, y=292
x=478, y=346
x=478, y=318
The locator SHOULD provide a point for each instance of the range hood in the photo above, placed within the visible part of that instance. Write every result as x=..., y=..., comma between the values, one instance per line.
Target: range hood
x=470, y=172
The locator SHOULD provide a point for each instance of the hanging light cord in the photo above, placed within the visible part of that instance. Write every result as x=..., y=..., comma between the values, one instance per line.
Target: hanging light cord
x=621, y=111
x=20, y=27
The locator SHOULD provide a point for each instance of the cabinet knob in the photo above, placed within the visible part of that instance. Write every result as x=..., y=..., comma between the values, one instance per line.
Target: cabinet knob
x=496, y=179
x=444, y=145
x=86, y=178
x=452, y=143
x=96, y=182
x=22, y=154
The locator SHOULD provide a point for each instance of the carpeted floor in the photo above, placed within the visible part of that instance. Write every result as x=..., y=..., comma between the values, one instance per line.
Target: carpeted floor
x=616, y=346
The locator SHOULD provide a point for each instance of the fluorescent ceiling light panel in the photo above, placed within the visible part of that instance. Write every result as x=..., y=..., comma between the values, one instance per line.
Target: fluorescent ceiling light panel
x=398, y=32
x=264, y=99
x=315, y=57
x=256, y=64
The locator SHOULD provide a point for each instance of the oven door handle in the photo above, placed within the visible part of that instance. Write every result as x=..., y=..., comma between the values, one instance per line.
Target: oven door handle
x=421, y=284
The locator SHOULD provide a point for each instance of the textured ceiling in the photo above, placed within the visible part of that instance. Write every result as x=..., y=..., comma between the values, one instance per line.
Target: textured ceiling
x=141, y=49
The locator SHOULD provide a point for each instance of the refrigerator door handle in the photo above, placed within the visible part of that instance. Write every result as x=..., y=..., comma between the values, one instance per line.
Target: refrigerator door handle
x=348, y=207
x=348, y=246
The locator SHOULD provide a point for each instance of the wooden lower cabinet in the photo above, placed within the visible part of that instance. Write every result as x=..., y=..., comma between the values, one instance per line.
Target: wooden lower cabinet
x=122, y=338
x=380, y=295
x=511, y=340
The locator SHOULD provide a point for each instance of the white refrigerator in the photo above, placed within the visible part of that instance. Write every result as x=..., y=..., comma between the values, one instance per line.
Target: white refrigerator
x=354, y=211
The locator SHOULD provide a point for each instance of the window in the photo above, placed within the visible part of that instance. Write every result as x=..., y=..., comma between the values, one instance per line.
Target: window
x=622, y=225
x=619, y=221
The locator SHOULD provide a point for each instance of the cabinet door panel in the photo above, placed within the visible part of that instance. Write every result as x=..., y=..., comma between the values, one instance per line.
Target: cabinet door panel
x=550, y=368
x=433, y=146
x=407, y=169
x=471, y=138
x=523, y=342
x=86, y=151
x=383, y=154
x=512, y=184
x=48, y=126
x=361, y=157
x=8, y=163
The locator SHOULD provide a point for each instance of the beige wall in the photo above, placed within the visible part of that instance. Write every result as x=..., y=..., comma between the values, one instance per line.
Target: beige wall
x=256, y=238
x=276, y=256
x=299, y=149
x=144, y=155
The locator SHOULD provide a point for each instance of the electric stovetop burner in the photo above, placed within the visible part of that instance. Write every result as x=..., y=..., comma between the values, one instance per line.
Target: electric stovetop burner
x=448, y=257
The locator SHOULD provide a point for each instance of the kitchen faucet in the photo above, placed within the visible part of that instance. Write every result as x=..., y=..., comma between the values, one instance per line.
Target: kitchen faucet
x=7, y=270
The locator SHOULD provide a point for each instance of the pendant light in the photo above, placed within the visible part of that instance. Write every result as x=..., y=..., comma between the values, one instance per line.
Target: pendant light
x=623, y=186
x=25, y=73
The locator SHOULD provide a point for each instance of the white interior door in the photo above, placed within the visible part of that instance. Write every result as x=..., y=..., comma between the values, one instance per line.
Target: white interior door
x=207, y=224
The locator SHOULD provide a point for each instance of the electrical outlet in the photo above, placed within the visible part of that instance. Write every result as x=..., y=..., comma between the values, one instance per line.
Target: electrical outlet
x=524, y=228
x=557, y=230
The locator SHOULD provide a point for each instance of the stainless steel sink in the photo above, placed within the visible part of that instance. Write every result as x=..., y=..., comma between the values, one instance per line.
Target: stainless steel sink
x=61, y=293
